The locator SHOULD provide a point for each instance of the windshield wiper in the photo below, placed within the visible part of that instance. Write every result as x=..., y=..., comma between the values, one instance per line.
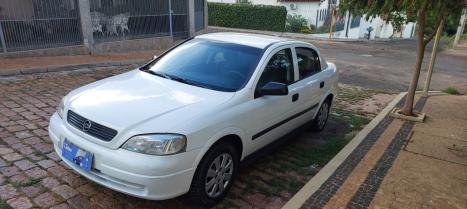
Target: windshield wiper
x=190, y=82
x=163, y=75
x=179, y=79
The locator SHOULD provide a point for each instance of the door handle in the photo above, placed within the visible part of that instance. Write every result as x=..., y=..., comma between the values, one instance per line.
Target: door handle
x=294, y=97
x=321, y=85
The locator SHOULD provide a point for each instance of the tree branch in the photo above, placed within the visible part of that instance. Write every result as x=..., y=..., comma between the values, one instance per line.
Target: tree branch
x=439, y=18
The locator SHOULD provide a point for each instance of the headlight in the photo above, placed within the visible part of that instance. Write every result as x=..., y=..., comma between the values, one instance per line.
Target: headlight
x=61, y=108
x=156, y=144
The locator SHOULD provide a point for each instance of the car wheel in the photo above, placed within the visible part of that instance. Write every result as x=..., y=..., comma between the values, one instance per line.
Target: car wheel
x=322, y=116
x=214, y=176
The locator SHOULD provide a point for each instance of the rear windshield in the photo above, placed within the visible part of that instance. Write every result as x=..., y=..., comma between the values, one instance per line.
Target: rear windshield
x=209, y=64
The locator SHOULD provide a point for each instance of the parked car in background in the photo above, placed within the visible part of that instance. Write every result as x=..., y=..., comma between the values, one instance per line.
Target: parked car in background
x=183, y=122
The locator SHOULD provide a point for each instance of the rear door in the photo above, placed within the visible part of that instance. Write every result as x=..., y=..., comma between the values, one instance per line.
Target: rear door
x=310, y=82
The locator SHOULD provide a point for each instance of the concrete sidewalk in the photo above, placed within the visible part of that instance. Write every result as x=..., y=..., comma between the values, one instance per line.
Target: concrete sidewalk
x=27, y=65
x=399, y=164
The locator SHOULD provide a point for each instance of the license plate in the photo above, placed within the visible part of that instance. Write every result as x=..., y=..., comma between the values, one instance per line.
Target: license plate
x=74, y=154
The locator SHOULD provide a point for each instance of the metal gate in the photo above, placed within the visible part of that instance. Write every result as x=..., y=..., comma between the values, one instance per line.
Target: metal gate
x=113, y=20
x=199, y=14
x=37, y=24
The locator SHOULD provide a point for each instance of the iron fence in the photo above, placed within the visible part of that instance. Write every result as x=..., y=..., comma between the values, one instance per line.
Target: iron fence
x=36, y=24
x=113, y=20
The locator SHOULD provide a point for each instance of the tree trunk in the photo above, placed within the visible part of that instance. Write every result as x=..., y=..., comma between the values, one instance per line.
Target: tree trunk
x=408, y=106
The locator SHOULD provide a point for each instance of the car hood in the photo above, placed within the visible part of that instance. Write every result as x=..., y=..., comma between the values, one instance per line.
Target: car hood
x=126, y=101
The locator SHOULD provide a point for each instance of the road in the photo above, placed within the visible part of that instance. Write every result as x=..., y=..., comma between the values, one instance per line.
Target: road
x=388, y=65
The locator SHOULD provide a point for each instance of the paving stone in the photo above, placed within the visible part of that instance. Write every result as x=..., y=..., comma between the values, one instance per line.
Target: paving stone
x=53, y=156
x=32, y=140
x=17, y=145
x=46, y=163
x=35, y=157
x=23, y=134
x=44, y=147
x=61, y=206
x=2, y=163
x=26, y=150
x=65, y=191
x=4, y=151
x=9, y=171
x=7, y=192
x=79, y=202
x=45, y=200
x=15, y=128
x=32, y=191
x=73, y=180
x=13, y=157
x=58, y=171
x=20, y=203
x=19, y=179
x=36, y=173
x=87, y=190
x=50, y=182
x=24, y=164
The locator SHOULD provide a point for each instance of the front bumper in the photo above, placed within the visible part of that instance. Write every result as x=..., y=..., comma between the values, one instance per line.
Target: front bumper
x=140, y=175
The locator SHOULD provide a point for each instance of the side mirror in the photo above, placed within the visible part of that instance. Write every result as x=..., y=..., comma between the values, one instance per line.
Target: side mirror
x=274, y=89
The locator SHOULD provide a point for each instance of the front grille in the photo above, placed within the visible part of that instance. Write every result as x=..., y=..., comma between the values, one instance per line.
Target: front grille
x=96, y=130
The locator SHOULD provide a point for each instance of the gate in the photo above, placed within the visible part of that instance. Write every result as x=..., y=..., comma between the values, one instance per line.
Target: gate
x=38, y=24
x=114, y=20
x=199, y=15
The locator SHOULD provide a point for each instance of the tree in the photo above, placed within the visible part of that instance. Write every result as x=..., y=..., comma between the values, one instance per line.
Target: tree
x=412, y=9
x=295, y=23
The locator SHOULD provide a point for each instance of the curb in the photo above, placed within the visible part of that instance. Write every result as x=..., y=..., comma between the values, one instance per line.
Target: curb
x=70, y=67
x=314, y=183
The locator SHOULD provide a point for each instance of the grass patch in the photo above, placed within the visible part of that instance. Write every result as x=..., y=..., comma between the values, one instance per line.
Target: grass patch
x=30, y=182
x=451, y=90
x=356, y=122
x=320, y=155
x=4, y=205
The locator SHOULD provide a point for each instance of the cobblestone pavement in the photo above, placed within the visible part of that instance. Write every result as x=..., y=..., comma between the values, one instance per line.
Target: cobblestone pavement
x=31, y=174
x=403, y=164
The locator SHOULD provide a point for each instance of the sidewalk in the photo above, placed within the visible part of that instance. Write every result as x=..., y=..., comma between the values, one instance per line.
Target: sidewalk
x=399, y=164
x=26, y=65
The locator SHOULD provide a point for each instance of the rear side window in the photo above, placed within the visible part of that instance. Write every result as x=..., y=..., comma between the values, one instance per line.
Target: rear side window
x=308, y=62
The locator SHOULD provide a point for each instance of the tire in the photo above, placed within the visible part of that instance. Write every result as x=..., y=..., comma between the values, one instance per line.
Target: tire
x=202, y=191
x=321, y=117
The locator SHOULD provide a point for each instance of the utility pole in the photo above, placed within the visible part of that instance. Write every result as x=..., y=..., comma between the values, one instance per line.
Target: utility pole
x=333, y=13
x=434, y=52
x=460, y=28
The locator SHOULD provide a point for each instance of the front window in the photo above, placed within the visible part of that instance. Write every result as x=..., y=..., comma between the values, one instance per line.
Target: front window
x=279, y=69
x=209, y=64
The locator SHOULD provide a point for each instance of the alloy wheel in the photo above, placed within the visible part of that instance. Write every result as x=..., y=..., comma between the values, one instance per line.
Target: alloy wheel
x=219, y=175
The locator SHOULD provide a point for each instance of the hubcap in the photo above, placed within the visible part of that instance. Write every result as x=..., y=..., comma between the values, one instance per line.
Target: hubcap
x=323, y=115
x=219, y=174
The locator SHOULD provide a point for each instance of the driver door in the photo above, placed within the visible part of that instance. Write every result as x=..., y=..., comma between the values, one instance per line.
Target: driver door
x=268, y=117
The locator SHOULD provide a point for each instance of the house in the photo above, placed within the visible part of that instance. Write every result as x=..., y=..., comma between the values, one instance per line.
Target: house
x=318, y=13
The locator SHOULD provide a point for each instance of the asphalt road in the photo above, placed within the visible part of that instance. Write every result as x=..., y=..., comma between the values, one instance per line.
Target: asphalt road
x=388, y=65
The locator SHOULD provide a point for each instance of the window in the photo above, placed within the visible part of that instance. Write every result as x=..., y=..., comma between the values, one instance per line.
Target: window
x=210, y=64
x=308, y=62
x=279, y=69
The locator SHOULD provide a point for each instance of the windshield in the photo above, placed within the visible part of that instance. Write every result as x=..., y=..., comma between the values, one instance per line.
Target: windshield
x=209, y=64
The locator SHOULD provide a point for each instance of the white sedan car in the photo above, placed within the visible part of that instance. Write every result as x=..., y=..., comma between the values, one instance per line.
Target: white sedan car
x=182, y=123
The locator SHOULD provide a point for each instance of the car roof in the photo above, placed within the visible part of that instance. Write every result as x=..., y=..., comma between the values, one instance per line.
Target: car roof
x=248, y=39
